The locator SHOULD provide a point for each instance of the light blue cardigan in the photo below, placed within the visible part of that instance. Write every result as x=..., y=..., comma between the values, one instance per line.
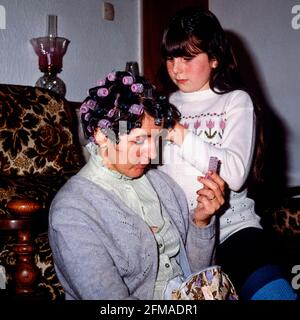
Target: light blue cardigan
x=103, y=250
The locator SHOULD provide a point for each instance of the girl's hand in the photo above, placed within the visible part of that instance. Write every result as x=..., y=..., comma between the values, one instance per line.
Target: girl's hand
x=210, y=198
x=177, y=134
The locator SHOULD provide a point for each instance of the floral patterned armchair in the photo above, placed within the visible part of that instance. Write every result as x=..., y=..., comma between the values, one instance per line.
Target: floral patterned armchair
x=282, y=221
x=39, y=151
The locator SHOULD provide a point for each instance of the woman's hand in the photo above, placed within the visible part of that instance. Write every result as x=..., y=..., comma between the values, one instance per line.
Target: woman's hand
x=210, y=198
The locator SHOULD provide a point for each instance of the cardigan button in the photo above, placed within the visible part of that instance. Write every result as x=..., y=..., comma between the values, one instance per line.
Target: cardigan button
x=167, y=265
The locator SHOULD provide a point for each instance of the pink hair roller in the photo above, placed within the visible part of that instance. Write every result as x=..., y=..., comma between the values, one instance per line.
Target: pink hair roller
x=112, y=112
x=127, y=80
x=100, y=82
x=137, y=87
x=136, y=109
x=91, y=104
x=111, y=76
x=87, y=116
x=104, y=124
x=102, y=92
x=84, y=108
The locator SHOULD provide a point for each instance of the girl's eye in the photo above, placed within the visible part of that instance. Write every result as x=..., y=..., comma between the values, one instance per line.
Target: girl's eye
x=187, y=58
x=169, y=58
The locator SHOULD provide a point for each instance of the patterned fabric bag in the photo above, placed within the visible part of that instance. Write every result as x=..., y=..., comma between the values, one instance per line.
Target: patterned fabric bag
x=208, y=284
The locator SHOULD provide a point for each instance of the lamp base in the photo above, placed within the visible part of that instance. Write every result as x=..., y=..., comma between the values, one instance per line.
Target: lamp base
x=53, y=83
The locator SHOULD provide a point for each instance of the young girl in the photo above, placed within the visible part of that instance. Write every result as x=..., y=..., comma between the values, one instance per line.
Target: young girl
x=219, y=119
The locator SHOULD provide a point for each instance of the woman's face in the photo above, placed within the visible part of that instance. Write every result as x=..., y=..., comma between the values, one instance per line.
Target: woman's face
x=191, y=73
x=134, y=152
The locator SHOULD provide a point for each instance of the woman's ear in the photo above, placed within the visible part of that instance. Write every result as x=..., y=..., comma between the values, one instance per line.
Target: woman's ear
x=214, y=63
x=101, y=139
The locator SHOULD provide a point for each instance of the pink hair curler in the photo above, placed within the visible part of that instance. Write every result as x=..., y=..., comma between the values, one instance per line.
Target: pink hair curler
x=136, y=109
x=102, y=92
x=137, y=87
x=128, y=80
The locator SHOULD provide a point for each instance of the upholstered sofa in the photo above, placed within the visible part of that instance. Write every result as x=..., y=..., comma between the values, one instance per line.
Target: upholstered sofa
x=39, y=151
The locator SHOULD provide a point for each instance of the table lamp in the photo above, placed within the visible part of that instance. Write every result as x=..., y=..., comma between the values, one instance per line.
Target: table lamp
x=50, y=50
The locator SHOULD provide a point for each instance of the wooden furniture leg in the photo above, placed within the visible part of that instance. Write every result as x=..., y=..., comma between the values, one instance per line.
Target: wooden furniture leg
x=26, y=270
x=23, y=219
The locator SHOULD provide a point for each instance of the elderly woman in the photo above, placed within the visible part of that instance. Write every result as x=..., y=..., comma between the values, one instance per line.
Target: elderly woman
x=118, y=229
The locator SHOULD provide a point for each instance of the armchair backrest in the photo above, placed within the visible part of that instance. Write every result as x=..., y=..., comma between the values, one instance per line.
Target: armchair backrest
x=37, y=136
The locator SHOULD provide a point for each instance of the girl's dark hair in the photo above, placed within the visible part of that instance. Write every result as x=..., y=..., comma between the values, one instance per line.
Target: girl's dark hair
x=194, y=30
x=124, y=97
